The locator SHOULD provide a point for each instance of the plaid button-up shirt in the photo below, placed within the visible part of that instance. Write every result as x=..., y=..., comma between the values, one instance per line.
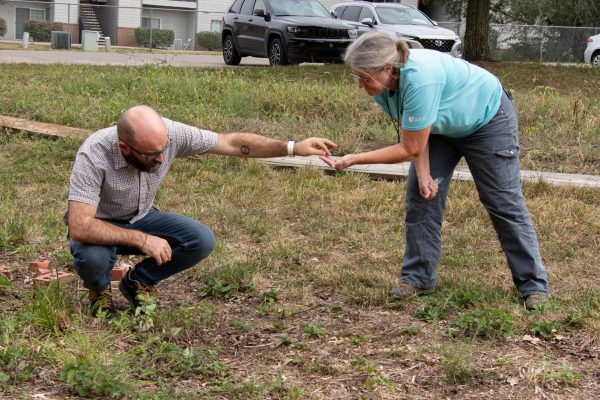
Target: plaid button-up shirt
x=101, y=177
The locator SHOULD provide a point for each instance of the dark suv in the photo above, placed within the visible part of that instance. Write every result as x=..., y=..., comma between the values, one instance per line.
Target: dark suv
x=285, y=31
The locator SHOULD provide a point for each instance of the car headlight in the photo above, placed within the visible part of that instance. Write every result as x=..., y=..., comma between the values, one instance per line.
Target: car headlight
x=294, y=29
x=353, y=33
x=404, y=37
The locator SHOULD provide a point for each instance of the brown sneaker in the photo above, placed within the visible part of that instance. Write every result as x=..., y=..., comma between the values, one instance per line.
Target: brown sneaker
x=404, y=291
x=533, y=301
x=101, y=302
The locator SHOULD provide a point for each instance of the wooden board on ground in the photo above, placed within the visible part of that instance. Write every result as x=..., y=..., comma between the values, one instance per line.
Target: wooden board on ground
x=12, y=124
x=395, y=171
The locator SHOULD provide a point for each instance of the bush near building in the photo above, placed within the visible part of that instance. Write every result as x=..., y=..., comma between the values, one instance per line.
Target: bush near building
x=161, y=38
x=210, y=40
x=39, y=31
x=2, y=27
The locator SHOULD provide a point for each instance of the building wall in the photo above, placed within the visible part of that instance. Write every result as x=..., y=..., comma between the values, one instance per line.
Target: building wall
x=180, y=22
x=130, y=14
x=9, y=14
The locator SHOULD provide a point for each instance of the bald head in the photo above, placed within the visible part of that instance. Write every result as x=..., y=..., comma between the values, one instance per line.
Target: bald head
x=143, y=126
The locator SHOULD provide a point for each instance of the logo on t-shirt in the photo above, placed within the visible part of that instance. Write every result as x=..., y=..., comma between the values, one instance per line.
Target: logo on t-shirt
x=412, y=119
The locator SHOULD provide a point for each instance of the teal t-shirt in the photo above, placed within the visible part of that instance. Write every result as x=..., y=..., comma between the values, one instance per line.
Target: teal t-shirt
x=453, y=96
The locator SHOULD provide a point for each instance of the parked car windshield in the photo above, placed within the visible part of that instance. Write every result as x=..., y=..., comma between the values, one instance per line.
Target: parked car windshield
x=401, y=16
x=300, y=8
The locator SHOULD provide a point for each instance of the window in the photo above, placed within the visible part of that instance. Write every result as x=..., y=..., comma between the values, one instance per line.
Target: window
x=259, y=5
x=216, y=25
x=37, y=15
x=339, y=11
x=247, y=7
x=236, y=7
x=351, y=13
x=150, y=23
x=366, y=13
x=23, y=15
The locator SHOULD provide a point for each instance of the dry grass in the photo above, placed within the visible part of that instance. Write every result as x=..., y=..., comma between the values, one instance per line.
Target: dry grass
x=292, y=304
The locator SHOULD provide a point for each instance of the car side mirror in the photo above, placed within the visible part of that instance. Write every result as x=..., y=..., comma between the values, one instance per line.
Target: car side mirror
x=367, y=21
x=334, y=14
x=259, y=13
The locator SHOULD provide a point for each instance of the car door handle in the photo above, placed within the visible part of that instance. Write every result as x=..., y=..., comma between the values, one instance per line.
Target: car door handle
x=250, y=20
x=235, y=18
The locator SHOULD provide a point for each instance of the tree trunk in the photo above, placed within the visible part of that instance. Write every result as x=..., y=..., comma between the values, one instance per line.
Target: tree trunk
x=476, y=35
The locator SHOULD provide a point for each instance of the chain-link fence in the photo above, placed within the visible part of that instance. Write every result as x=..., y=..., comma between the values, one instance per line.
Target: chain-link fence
x=182, y=26
x=534, y=42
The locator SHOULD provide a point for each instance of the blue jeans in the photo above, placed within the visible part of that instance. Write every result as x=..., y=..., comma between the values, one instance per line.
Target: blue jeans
x=492, y=154
x=190, y=242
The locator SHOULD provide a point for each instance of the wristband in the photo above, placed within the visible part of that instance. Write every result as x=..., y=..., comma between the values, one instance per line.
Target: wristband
x=290, y=148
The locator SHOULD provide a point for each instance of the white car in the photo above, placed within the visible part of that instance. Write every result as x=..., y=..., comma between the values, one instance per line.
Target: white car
x=591, y=55
x=399, y=22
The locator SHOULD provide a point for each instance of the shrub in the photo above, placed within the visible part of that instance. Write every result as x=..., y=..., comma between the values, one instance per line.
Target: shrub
x=210, y=40
x=160, y=37
x=39, y=31
x=2, y=27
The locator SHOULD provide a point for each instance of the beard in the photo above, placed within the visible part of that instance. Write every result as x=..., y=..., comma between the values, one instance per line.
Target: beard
x=151, y=166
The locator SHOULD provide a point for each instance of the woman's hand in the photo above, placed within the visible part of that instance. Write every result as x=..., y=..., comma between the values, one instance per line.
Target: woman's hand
x=341, y=163
x=427, y=187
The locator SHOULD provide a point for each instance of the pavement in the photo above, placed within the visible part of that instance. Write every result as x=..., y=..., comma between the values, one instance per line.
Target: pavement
x=114, y=58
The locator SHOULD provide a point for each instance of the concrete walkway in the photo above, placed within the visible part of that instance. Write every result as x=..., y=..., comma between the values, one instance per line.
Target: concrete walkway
x=114, y=58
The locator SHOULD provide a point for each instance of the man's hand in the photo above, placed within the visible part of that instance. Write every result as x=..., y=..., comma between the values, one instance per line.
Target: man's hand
x=157, y=248
x=314, y=147
x=347, y=161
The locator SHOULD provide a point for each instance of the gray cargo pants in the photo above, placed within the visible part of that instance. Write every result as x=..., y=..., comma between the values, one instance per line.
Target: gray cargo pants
x=492, y=154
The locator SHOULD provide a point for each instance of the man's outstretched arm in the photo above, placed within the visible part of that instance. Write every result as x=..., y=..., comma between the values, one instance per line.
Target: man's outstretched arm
x=85, y=227
x=253, y=145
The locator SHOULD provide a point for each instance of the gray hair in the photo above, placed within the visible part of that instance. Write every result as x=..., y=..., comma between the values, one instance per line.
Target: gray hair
x=373, y=51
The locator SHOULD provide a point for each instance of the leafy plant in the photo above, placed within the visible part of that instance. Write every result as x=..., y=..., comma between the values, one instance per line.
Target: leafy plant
x=39, y=31
x=88, y=375
x=161, y=38
x=313, y=331
x=2, y=27
x=210, y=40
x=490, y=323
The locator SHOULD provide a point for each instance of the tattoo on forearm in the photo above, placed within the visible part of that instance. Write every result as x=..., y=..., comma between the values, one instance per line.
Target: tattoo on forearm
x=245, y=150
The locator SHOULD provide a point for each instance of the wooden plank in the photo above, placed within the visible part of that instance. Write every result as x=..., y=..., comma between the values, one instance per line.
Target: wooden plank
x=396, y=171
x=52, y=131
x=382, y=171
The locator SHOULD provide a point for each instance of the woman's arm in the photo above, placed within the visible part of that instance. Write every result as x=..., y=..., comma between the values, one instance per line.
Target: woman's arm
x=413, y=144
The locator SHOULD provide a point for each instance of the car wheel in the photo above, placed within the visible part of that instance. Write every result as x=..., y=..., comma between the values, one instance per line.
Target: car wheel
x=596, y=59
x=277, y=54
x=230, y=54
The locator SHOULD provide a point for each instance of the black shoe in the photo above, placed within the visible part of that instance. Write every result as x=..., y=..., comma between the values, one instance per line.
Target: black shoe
x=135, y=290
x=101, y=303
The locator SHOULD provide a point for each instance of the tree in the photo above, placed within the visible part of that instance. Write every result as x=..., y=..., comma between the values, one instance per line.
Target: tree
x=477, y=32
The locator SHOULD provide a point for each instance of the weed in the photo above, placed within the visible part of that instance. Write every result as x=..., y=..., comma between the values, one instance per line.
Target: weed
x=49, y=308
x=314, y=330
x=374, y=379
x=546, y=329
x=410, y=331
x=239, y=325
x=457, y=366
x=88, y=375
x=490, y=323
x=566, y=376
x=4, y=284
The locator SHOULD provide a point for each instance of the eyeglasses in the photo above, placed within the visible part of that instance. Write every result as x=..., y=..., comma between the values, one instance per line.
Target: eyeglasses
x=148, y=156
x=362, y=79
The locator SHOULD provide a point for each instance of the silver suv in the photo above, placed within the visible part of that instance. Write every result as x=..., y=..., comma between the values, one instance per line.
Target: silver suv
x=399, y=22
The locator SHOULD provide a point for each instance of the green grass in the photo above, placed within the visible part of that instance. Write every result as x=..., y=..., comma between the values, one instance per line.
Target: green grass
x=292, y=303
